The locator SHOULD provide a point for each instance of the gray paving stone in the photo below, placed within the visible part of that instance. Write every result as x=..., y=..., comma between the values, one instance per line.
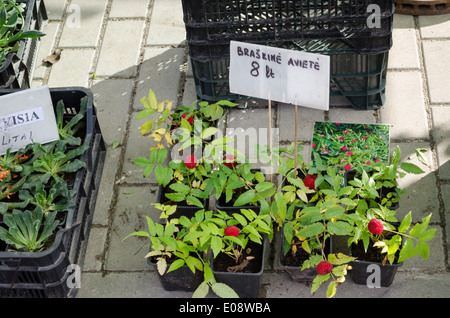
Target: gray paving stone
x=404, y=109
x=133, y=204
x=189, y=94
x=250, y=127
x=125, y=285
x=405, y=285
x=45, y=48
x=112, y=109
x=350, y=115
x=306, y=119
x=436, y=26
x=421, y=191
x=106, y=191
x=94, y=249
x=120, y=49
x=73, y=68
x=446, y=197
x=166, y=26
x=55, y=9
x=441, y=133
x=404, y=52
x=160, y=71
x=83, y=23
x=128, y=9
x=437, y=72
x=137, y=146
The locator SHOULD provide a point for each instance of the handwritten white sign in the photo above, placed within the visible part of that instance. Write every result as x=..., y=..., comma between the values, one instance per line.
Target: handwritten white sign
x=287, y=76
x=27, y=116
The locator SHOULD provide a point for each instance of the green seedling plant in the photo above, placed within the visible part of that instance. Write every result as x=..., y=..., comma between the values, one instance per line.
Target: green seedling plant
x=397, y=243
x=11, y=28
x=67, y=129
x=184, y=123
x=172, y=241
x=239, y=184
x=56, y=199
x=185, y=180
x=54, y=162
x=28, y=231
x=378, y=184
x=224, y=233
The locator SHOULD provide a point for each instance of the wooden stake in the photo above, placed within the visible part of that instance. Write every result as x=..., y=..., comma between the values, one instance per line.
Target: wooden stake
x=296, y=137
x=270, y=139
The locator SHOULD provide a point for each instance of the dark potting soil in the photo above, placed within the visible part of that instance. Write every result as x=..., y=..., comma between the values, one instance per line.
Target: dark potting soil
x=289, y=259
x=223, y=261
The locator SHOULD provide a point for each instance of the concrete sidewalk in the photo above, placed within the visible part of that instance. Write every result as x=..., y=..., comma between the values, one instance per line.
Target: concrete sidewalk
x=122, y=48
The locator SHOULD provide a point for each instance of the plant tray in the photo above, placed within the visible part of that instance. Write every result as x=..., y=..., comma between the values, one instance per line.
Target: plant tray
x=17, y=70
x=44, y=274
x=216, y=22
x=360, y=78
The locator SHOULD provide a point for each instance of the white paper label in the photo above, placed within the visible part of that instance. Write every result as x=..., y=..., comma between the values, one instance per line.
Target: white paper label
x=287, y=76
x=26, y=117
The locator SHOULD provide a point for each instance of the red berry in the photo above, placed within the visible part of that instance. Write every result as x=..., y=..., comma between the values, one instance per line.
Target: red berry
x=190, y=162
x=231, y=231
x=310, y=181
x=348, y=167
x=375, y=227
x=324, y=268
x=190, y=119
x=314, y=146
x=230, y=161
x=343, y=148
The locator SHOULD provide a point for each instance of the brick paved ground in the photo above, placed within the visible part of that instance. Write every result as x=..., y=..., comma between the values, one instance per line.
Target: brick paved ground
x=122, y=48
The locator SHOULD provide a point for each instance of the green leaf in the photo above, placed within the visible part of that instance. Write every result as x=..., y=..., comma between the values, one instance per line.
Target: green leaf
x=240, y=219
x=223, y=290
x=312, y=230
x=201, y=291
x=334, y=212
x=176, y=197
x=245, y=198
x=406, y=223
x=216, y=245
x=180, y=187
x=263, y=186
x=175, y=265
x=193, y=200
x=318, y=280
x=339, y=228
x=331, y=290
x=208, y=132
x=407, y=250
x=423, y=249
x=411, y=168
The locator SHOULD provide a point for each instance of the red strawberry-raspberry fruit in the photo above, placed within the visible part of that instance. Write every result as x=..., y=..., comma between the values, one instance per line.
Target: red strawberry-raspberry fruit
x=310, y=181
x=348, y=167
x=190, y=162
x=190, y=119
x=231, y=231
x=375, y=227
x=230, y=161
x=324, y=268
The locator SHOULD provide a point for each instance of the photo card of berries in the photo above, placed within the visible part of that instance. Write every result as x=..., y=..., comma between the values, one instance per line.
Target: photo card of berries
x=346, y=145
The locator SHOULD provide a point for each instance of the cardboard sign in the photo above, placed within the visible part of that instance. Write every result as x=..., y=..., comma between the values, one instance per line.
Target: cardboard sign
x=287, y=76
x=26, y=117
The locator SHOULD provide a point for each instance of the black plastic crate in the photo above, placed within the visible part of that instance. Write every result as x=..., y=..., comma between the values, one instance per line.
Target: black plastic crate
x=44, y=274
x=216, y=22
x=16, y=71
x=360, y=78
